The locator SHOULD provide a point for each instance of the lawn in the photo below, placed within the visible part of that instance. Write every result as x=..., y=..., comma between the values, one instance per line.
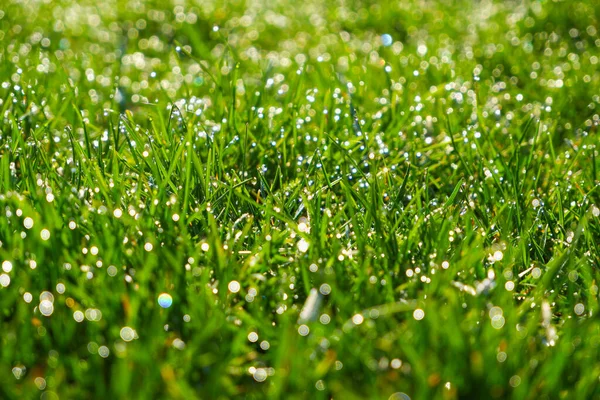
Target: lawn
x=341, y=199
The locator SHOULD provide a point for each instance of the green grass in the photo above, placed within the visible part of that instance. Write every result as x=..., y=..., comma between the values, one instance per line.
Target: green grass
x=429, y=203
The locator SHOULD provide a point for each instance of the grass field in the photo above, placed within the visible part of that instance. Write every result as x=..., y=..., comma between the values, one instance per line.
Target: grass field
x=299, y=200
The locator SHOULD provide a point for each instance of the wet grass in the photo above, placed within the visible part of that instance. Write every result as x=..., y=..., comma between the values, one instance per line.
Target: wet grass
x=269, y=199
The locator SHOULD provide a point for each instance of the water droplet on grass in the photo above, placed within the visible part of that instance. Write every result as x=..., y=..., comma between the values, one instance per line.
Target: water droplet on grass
x=498, y=321
x=358, y=319
x=260, y=375
x=303, y=330
x=127, y=334
x=7, y=266
x=46, y=308
x=78, y=316
x=103, y=351
x=386, y=39
x=45, y=234
x=303, y=246
x=28, y=223
x=165, y=300
x=399, y=396
x=418, y=314
x=234, y=286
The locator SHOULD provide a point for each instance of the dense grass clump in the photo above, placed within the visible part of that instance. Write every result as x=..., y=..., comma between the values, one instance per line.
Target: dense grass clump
x=300, y=200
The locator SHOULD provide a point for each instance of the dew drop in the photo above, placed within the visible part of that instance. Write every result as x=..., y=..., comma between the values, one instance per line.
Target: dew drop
x=165, y=300
x=127, y=334
x=46, y=308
